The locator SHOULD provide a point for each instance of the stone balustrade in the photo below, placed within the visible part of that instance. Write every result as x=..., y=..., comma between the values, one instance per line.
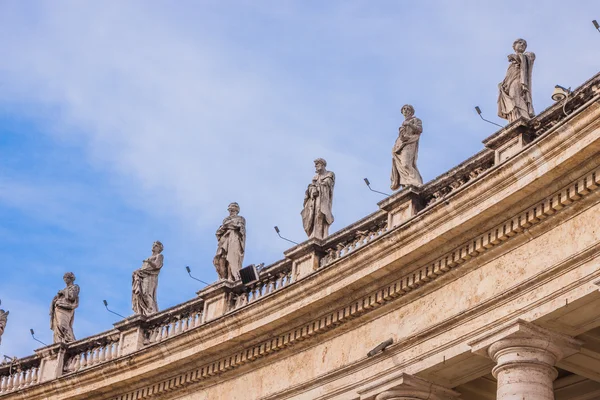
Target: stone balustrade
x=353, y=238
x=91, y=351
x=271, y=279
x=19, y=374
x=175, y=322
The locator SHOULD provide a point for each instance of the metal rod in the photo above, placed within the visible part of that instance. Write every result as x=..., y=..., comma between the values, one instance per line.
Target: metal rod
x=488, y=121
x=373, y=190
x=36, y=339
x=111, y=311
x=189, y=271
x=279, y=234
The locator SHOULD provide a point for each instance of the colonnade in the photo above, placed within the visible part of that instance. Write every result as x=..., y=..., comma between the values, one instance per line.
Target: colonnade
x=525, y=356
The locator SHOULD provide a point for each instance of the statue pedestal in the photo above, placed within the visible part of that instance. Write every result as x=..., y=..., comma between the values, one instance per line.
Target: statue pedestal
x=510, y=140
x=216, y=300
x=305, y=258
x=402, y=205
x=132, y=334
x=53, y=359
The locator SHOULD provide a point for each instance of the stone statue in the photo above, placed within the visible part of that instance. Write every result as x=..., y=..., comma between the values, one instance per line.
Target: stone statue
x=405, y=151
x=3, y=319
x=62, y=310
x=318, y=198
x=514, y=100
x=145, y=282
x=231, y=237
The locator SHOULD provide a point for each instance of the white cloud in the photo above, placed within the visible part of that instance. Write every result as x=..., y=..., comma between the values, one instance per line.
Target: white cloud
x=188, y=108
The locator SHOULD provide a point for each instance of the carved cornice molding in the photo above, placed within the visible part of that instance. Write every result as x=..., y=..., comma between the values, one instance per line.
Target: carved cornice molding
x=511, y=227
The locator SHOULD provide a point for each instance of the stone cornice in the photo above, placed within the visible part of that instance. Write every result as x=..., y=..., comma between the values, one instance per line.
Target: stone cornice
x=407, y=283
x=367, y=303
x=550, y=155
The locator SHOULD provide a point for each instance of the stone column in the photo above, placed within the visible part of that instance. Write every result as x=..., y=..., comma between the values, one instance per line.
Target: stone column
x=405, y=387
x=525, y=356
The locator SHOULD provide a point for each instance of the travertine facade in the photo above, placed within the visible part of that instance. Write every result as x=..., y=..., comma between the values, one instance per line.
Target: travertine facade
x=487, y=280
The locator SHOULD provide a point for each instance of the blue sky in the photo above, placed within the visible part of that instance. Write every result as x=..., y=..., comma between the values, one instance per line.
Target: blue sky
x=124, y=122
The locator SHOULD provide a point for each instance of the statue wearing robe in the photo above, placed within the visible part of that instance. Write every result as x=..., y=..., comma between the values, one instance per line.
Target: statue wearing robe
x=231, y=243
x=514, y=99
x=3, y=319
x=318, y=198
x=62, y=310
x=405, y=151
x=145, y=282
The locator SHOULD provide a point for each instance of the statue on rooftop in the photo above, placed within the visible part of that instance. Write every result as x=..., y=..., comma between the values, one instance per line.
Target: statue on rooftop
x=406, y=148
x=62, y=310
x=514, y=100
x=3, y=319
x=231, y=237
x=145, y=282
x=318, y=199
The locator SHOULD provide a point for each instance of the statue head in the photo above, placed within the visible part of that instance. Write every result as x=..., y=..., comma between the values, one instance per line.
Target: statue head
x=407, y=110
x=233, y=208
x=519, y=45
x=69, y=278
x=320, y=165
x=158, y=246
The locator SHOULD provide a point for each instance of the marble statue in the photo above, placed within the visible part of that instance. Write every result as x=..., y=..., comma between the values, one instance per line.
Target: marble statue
x=145, y=282
x=514, y=99
x=3, y=319
x=405, y=151
x=62, y=310
x=231, y=237
x=318, y=198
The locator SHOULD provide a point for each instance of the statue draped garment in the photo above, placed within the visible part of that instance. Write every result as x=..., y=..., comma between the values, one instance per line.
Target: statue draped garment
x=316, y=214
x=3, y=319
x=513, y=101
x=231, y=237
x=62, y=314
x=404, y=155
x=144, y=285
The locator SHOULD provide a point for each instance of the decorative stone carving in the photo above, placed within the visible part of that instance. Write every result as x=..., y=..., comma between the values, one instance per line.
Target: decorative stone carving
x=318, y=198
x=3, y=319
x=405, y=151
x=231, y=237
x=145, y=282
x=514, y=100
x=62, y=310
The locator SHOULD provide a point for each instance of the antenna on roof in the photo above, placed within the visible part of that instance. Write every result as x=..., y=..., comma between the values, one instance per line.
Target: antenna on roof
x=596, y=25
x=488, y=121
x=189, y=271
x=107, y=309
x=279, y=234
x=373, y=190
x=34, y=338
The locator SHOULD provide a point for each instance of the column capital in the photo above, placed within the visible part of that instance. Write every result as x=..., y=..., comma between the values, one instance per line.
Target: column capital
x=521, y=333
x=403, y=386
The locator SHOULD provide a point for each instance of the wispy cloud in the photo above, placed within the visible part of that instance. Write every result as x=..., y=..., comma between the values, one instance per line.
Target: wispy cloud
x=168, y=113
